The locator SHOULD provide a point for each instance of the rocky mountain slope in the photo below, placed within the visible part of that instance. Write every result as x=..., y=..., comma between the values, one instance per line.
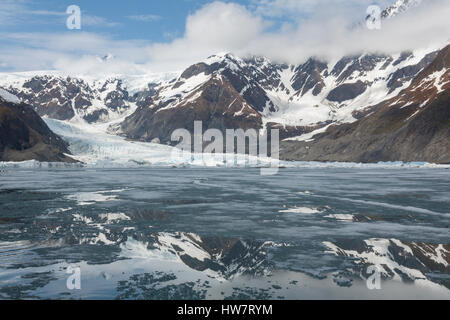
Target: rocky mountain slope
x=25, y=136
x=296, y=99
x=412, y=126
x=93, y=99
x=66, y=98
x=229, y=92
x=399, y=7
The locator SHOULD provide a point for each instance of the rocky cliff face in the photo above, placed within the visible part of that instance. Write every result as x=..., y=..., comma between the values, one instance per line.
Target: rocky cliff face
x=66, y=98
x=412, y=126
x=199, y=94
x=400, y=6
x=226, y=92
x=25, y=136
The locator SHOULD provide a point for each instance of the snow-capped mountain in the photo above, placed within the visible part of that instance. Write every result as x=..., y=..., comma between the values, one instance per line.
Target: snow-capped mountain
x=92, y=99
x=399, y=7
x=411, y=126
x=225, y=91
x=6, y=96
x=228, y=92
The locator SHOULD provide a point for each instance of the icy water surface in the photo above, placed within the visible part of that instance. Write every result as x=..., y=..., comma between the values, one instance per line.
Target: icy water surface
x=306, y=233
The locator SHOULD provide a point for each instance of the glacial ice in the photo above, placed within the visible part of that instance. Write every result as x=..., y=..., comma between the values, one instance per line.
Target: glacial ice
x=95, y=148
x=92, y=145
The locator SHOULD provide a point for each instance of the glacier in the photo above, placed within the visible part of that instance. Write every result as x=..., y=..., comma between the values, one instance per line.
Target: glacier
x=95, y=147
x=92, y=145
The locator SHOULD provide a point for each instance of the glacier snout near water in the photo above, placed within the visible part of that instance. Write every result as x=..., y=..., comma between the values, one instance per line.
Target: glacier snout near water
x=95, y=147
x=92, y=145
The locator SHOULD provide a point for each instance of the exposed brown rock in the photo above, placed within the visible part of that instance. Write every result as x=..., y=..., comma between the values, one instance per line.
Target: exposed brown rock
x=414, y=126
x=218, y=105
x=25, y=136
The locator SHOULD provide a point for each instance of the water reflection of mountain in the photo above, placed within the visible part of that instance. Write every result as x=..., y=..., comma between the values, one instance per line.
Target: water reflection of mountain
x=397, y=260
x=227, y=257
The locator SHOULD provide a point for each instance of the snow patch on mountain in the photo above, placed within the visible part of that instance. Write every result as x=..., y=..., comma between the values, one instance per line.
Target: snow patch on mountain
x=66, y=97
x=8, y=97
x=400, y=6
x=177, y=93
x=132, y=82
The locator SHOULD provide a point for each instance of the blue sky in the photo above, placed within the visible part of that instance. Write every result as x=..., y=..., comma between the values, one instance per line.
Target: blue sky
x=154, y=20
x=168, y=35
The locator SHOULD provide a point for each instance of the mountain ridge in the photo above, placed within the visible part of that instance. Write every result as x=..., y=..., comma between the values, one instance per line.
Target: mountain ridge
x=228, y=92
x=413, y=126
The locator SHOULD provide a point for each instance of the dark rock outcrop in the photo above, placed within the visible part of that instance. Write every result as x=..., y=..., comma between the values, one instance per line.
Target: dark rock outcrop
x=347, y=91
x=25, y=136
x=217, y=104
x=308, y=76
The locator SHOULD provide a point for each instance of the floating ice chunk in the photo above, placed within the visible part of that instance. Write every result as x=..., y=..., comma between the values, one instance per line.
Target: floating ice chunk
x=341, y=217
x=80, y=218
x=88, y=198
x=111, y=217
x=301, y=210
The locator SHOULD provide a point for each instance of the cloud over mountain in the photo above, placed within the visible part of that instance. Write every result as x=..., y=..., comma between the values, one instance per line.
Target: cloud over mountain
x=326, y=29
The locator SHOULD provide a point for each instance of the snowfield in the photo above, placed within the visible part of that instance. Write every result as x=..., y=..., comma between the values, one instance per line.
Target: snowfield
x=132, y=82
x=8, y=97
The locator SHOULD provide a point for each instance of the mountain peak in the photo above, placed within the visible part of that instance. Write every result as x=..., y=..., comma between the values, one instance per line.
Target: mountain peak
x=106, y=58
x=399, y=7
x=223, y=57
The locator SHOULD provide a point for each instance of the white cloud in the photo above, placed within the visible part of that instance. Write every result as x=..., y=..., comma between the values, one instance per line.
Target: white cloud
x=327, y=33
x=73, y=52
x=46, y=13
x=96, y=21
x=15, y=12
x=283, y=8
x=229, y=27
x=145, y=17
x=9, y=12
x=217, y=27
